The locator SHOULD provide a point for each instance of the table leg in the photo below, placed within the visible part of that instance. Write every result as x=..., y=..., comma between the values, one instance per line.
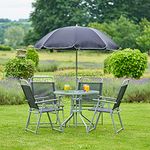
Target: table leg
x=65, y=122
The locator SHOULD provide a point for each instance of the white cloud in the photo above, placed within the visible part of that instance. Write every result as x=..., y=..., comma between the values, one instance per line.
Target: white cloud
x=15, y=9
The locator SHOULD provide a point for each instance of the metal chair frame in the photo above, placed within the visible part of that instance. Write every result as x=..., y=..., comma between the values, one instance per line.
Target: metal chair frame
x=100, y=108
x=45, y=107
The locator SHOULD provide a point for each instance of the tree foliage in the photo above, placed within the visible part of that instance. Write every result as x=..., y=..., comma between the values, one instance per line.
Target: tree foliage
x=143, y=40
x=33, y=55
x=14, y=36
x=126, y=63
x=49, y=15
x=5, y=25
x=123, y=31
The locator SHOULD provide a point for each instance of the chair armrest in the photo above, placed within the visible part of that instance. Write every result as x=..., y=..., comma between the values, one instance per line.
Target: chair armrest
x=40, y=98
x=107, y=98
x=106, y=101
x=45, y=101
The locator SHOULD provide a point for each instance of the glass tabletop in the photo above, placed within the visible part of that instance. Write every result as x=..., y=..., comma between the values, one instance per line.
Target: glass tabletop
x=75, y=92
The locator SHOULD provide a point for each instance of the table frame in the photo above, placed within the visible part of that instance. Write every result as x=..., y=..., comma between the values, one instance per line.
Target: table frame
x=76, y=106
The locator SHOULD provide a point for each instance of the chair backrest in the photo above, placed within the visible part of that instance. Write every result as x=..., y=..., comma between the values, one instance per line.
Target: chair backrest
x=121, y=93
x=43, y=89
x=29, y=96
x=93, y=86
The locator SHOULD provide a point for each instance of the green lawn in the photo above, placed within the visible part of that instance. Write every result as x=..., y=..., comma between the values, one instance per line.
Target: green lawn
x=136, y=136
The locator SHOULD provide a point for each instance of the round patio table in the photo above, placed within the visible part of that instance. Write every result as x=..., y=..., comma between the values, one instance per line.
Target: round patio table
x=76, y=104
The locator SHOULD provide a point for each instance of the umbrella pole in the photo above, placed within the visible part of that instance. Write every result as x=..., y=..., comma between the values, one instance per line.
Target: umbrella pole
x=76, y=69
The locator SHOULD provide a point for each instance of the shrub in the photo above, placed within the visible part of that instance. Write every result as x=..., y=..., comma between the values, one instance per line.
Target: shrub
x=20, y=68
x=84, y=72
x=5, y=48
x=107, y=66
x=47, y=66
x=11, y=92
x=126, y=63
x=68, y=76
x=137, y=91
x=33, y=55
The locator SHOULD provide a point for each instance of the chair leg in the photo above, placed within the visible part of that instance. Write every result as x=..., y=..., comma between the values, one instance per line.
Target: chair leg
x=113, y=122
x=28, y=120
x=50, y=120
x=63, y=114
x=122, y=127
x=38, y=123
x=58, y=120
x=60, y=127
x=102, y=120
x=57, y=114
x=114, y=125
x=91, y=124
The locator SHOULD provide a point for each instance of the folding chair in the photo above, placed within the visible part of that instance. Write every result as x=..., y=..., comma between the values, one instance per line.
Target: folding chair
x=43, y=88
x=46, y=107
x=87, y=100
x=101, y=108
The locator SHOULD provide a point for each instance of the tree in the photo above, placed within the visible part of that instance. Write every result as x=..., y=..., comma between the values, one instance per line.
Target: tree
x=13, y=36
x=106, y=10
x=143, y=41
x=52, y=14
x=49, y=15
x=123, y=31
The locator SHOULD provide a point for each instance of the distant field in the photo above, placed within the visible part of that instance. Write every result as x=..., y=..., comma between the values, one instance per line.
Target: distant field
x=66, y=60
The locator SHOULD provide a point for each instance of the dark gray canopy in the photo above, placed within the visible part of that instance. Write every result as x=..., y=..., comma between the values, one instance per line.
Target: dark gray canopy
x=76, y=37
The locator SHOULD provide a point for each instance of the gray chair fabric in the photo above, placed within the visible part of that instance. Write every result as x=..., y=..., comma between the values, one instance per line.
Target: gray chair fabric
x=109, y=105
x=43, y=88
x=87, y=100
x=38, y=110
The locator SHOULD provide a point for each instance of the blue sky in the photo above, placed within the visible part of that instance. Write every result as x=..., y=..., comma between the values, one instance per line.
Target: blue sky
x=15, y=9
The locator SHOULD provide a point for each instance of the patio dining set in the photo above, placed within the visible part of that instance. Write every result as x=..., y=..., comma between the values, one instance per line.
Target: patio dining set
x=43, y=98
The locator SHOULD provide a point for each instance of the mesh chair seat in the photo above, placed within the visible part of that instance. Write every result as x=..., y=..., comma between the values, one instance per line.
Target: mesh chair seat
x=48, y=109
x=106, y=110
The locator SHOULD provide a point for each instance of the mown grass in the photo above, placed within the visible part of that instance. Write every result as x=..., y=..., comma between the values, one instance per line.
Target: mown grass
x=136, y=135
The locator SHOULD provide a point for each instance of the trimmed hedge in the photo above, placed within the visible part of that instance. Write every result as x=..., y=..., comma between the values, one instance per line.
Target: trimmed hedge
x=126, y=63
x=5, y=48
x=20, y=68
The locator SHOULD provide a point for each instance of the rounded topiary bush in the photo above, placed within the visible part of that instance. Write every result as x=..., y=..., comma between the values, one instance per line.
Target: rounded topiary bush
x=20, y=68
x=126, y=63
x=33, y=55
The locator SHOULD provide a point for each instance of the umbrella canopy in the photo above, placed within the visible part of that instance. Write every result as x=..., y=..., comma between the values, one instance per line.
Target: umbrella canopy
x=76, y=38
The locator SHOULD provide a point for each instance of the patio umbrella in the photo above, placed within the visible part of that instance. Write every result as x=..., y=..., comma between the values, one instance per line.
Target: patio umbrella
x=76, y=38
